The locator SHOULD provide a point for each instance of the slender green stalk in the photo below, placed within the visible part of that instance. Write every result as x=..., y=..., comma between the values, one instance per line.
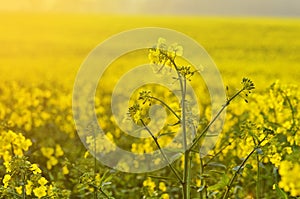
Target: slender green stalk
x=293, y=112
x=219, y=152
x=186, y=186
x=187, y=175
x=95, y=165
x=162, y=152
x=203, y=183
x=196, y=140
x=187, y=159
x=23, y=187
x=229, y=186
x=258, y=177
x=100, y=189
x=167, y=106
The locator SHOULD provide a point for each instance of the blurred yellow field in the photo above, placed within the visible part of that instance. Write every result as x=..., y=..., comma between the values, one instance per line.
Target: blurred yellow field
x=53, y=46
x=43, y=156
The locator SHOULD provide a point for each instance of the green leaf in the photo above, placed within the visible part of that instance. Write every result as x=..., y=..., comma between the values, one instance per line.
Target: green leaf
x=167, y=133
x=220, y=185
x=248, y=166
x=216, y=164
x=280, y=192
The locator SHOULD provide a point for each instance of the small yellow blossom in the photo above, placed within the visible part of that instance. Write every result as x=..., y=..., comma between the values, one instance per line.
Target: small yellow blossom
x=149, y=184
x=6, y=180
x=290, y=178
x=51, y=162
x=7, y=166
x=19, y=190
x=58, y=151
x=65, y=170
x=165, y=196
x=162, y=186
x=50, y=191
x=35, y=169
x=40, y=191
x=86, y=154
x=28, y=187
x=98, y=179
x=42, y=181
x=47, y=151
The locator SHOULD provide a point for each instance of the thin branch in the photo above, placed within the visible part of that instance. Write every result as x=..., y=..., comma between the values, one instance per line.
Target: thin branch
x=196, y=140
x=162, y=152
x=229, y=186
x=215, y=155
x=167, y=106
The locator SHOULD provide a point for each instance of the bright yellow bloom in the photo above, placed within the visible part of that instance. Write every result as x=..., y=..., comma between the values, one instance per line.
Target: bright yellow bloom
x=165, y=196
x=162, y=186
x=149, y=184
x=51, y=162
x=198, y=182
x=35, y=169
x=28, y=187
x=50, y=191
x=19, y=190
x=42, y=181
x=10, y=140
x=65, y=170
x=58, y=151
x=290, y=178
x=6, y=180
x=47, y=151
x=7, y=166
x=40, y=191
x=86, y=154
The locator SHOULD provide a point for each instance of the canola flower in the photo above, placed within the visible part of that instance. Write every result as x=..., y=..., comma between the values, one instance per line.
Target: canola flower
x=6, y=180
x=13, y=144
x=150, y=185
x=45, y=110
x=40, y=191
x=290, y=178
x=28, y=187
x=52, y=155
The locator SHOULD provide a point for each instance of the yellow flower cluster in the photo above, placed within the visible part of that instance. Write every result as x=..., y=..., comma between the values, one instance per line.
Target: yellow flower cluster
x=6, y=180
x=52, y=155
x=12, y=144
x=12, y=150
x=29, y=108
x=41, y=190
x=162, y=54
x=141, y=148
x=150, y=186
x=290, y=177
x=101, y=143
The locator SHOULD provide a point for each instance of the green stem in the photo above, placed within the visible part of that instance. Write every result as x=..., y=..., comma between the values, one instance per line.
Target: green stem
x=100, y=189
x=162, y=152
x=167, y=106
x=187, y=160
x=186, y=175
x=23, y=186
x=215, y=155
x=284, y=95
x=203, y=183
x=236, y=173
x=258, y=177
x=95, y=165
x=187, y=164
x=229, y=186
x=196, y=140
